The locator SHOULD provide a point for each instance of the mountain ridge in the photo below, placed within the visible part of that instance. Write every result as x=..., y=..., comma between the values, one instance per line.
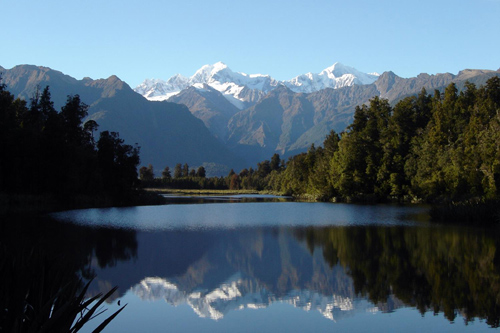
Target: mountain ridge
x=166, y=132
x=280, y=121
x=230, y=84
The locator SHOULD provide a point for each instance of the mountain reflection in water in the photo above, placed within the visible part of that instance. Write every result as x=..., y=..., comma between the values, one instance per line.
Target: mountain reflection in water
x=338, y=271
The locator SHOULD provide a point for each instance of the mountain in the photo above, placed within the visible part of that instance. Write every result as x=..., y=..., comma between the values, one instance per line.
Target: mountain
x=244, y=90
x=208, y=105
x=270, y=125
x=166, y=132
x=287, y=122
x=230, y=118
x=241, y=89
x=258, y=139
x=395, y=88
x=336, y=76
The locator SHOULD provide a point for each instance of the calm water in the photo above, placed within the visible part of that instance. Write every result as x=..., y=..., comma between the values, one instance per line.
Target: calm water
x=232, y=265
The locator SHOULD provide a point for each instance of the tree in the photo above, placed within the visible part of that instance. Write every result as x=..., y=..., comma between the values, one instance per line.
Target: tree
x=331, y=143
x=178, y=171
x=89, y=127
x=67, y=161
x=263, y=168
x=117, y=163
x=185, y=170
x=235, y=182
x=165, y=175
x=72, y=114
x=275, y=162
x=201, y=172
x=244, y=173
x=146, y=173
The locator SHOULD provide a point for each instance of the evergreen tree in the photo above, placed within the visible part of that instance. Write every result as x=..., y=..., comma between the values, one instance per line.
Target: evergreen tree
x=275, y=162
x=146, y=173
x=185, y=170
x=201, y=172
x=165, y=175
x=178, y=171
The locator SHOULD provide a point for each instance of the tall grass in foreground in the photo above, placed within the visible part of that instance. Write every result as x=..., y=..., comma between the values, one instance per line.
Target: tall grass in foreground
x=51, y=301
x=41, y=270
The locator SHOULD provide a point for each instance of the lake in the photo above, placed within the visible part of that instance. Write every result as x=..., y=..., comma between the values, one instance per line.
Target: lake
x=243, y=264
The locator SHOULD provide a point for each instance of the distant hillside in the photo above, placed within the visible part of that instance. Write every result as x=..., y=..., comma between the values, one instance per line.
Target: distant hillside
x=166, y=132
x=208, y=105
x=235, y=126
x=288, y=123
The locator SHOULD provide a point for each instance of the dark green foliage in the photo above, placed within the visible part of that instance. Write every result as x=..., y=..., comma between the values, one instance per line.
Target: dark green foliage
x=178, y=171
x=50, y=153
x=165, y=175
x=43, y=288
x=185, y=170
x=433, y=269
x=264, y=168
x=425, y=148
x=146, y=173
x=201, y=172
x=118, y=163
x=275, y=163
x=431, y=148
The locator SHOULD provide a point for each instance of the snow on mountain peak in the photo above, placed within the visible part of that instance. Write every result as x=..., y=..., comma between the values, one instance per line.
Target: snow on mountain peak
x=335, y=76
x=235, y=86
x=338, y=69
x=206, y=73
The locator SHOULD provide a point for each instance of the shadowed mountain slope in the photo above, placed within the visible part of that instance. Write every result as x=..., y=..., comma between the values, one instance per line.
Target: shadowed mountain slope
x=166, y=132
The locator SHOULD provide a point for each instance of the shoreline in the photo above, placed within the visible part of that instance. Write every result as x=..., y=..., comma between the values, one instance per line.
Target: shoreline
x=31, y=204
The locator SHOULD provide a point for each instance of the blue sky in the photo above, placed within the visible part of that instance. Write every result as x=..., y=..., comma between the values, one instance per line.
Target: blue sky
x=157, y=39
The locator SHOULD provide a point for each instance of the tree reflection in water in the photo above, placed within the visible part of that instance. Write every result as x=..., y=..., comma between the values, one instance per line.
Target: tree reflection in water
x=42, y=263
x=440, y=269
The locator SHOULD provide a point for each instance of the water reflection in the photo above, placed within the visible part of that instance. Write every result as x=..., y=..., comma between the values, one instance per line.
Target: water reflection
x=42, y=263
x=338, y=271
x=441, y=269
x=335, y=263
x=220, y=271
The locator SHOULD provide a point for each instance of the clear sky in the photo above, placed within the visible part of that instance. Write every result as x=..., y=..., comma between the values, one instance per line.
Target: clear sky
x=157, y=39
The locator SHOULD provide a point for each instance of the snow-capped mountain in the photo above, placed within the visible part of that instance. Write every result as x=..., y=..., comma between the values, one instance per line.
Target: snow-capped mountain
x=335, y=76
x=243, y=90
x=236, y=87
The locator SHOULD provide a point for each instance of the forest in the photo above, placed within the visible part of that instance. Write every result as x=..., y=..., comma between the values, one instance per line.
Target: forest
x=440, y=147
x=54, y=157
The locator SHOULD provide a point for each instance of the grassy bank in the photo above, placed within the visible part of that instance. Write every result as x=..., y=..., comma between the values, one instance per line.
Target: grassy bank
x=203, y=192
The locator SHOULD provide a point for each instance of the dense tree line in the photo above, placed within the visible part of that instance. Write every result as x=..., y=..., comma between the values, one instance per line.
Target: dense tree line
x=444, y=146
x=426, y=147
x=45, y=152
x=185, y=177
